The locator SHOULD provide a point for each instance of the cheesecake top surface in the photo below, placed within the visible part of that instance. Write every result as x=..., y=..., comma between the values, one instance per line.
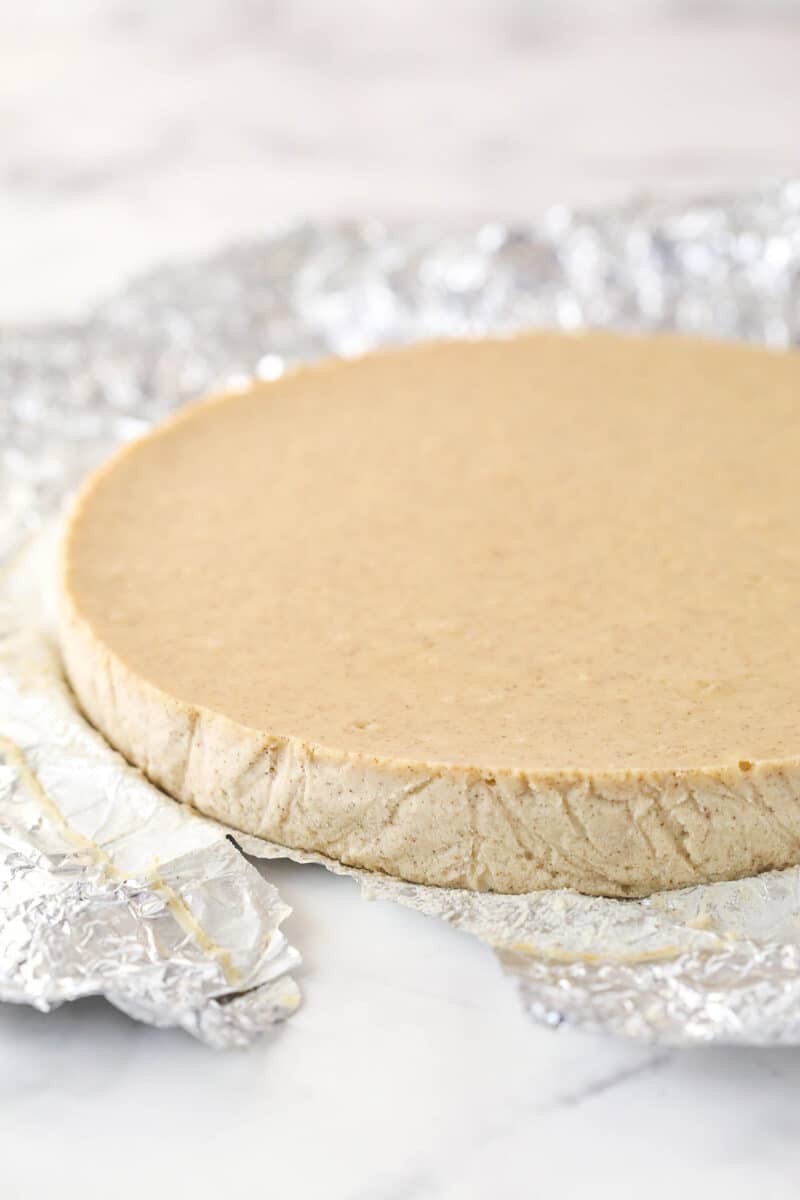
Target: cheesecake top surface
x=547, y=553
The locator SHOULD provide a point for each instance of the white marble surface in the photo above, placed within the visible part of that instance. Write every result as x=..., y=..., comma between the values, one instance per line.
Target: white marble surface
x=131, y=130
x=134, y=129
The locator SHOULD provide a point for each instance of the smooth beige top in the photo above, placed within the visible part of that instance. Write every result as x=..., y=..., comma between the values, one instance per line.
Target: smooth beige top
x=545, y=553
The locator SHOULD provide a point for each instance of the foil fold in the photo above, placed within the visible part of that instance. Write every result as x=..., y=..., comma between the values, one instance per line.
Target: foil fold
x=714, y=963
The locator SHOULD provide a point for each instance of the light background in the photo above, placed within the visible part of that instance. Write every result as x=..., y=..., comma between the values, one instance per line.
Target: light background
x=135, y=129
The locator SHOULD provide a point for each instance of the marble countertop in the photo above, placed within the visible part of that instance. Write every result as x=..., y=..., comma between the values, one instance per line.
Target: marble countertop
x=134, y=130
x=131, y=130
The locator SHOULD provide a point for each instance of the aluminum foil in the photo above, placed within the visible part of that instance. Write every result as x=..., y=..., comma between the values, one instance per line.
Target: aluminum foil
x=714, y=963
x=709, y=963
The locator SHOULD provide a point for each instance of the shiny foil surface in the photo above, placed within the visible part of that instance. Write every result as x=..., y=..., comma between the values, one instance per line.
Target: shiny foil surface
x=107, y=886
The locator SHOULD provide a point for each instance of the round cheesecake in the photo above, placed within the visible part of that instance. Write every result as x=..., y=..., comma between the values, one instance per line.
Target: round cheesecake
x=499, y=614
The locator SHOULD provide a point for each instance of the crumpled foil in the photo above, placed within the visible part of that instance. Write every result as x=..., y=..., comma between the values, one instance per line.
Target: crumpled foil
x=720, y=962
